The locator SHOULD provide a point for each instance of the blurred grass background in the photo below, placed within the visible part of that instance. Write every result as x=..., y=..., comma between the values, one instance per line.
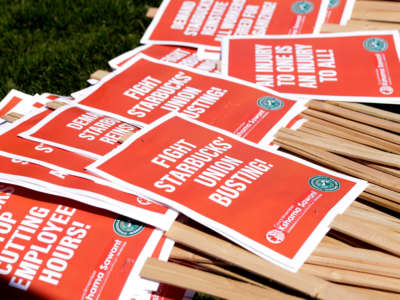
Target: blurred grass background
x=54, y=45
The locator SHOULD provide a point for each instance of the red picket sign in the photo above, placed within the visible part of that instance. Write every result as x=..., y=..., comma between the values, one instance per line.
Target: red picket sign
x=53, y=248
x=271, y=203
x=145, y=89
x=352, y=66
x=80, y=131
x=205, y=22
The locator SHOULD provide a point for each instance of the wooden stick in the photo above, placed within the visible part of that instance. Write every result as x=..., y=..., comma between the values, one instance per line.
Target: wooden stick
x=12, y=117
x=357, y=25
x=179, y=254
x=226, y=251
x=354, y=151
x=346, y=133
x=55, y=104
x=379, y=133
x=354, y=115
x=377, y=5
x=383, y=192
x=388, y=170
x=330, y=241
x=382, y=214
x=353, y=266
x=312, y=131
x=125, y=137
x=99, y=74
x=380, y=201
x=347, y=166
x=374, y=218
x=151, y=12
x=369, y=110
x=367, y=233
x=376, y=10
x=353, y=278
x=374, y=293
x=364, y=256
x=204, y=282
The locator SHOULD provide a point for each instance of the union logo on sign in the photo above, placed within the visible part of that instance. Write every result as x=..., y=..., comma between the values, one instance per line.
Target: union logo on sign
x=333, y=3
x=302, y=7
x=375, y=44
x=270, y=103
x=126, y=227
x=324, y=183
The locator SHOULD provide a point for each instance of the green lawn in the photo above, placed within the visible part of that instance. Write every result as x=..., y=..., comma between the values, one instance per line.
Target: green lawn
x=53, y=45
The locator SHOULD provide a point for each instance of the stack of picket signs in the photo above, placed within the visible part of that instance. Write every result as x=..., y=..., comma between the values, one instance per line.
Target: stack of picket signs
x=92, y=184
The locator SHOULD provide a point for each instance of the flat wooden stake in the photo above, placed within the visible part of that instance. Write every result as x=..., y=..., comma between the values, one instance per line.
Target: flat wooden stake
x=367, y=233
x=357, y=25
x=374, y=218
x=388, y=170
x=386, y=11
x=358, y=255
x=125, y=137
x=151, y=12
x=349, y=134
x=353, y=278
x=354, y=266
x=360, y=152
x=55, y=104
x=374, y=293
x=99, y=74
x=369, y=110
x=12, y=117
x=215, y=247
x=380, y=201
x=370, y=130
x=354, y=115
x=184, y=255
x=204, y=282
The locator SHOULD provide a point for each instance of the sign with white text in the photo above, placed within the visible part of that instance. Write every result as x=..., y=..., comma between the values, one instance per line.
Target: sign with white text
x=205, y=22
x=77, y=130
x=179, y=55
x=355, y=66
x=56, y=249
x=271, y=203
x=145, y=89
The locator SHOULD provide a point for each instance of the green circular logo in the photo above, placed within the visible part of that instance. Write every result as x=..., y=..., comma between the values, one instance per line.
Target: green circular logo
x=375, y=44
x=333, y=3
x=302, y=7
x=126, y=227
x=324, y=183
x=270, y=103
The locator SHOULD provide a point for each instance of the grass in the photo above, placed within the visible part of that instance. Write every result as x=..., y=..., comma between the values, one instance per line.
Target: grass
x=53, y=45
